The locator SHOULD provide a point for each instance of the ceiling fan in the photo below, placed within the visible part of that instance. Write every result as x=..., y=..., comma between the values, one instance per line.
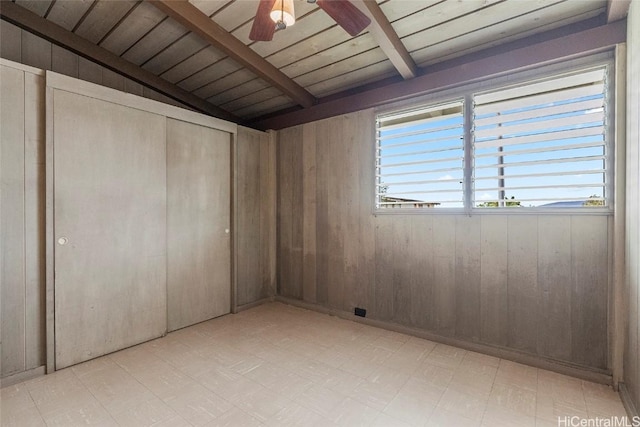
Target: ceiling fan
x=278, y=14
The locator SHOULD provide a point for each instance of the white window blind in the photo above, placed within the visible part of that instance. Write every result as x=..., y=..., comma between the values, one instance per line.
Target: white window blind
x=542, y=144
x=420, y=157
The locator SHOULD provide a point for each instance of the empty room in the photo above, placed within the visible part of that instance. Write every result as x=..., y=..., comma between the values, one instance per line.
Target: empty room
x=317, y=213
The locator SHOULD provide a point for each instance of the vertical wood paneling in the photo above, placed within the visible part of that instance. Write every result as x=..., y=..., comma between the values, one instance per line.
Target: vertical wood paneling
x=335, y=182
x=496, y=279
x=36, y=51
x=10, y=42
x=350, y=210
x=401, y=266
x=494, y=319
x=248, y=208
x=89, y=71
x=589, y=291
x=323, y=168
x=12, y=220
x=632, y=345
x=468, y=284
x=112, y=79
x=522, y=270
x=64, y=62
x=421, y=253
x=365, y=292
x=297, y=212
x=34, y=208
x=21, y=220
x=268, y=204
x=384, y=291
x=290, y=213
x=309, y=207
x=554, y=280
x=444, y=274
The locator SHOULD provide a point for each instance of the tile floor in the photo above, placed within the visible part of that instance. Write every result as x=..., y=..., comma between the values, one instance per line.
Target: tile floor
x=277, y=365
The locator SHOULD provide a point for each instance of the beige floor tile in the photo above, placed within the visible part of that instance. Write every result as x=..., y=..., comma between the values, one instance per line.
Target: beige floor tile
x=321, y=400
x=343, y=382
x=446, y=356
x=517, y=374
x=27, y=417
x=278, y=365
x=262, y=403
x=116, y=390
x=375, y=395
x=235, y=418
x=443, y=418
x=385, y=420
x=233, y=385
x=514, y=398
x=295, y=415
x=435, y=375
x=147, y=413
x=15, y=398
x=196, y=404
x=87, y=412
x=497, y=416
x=549, y=409
x=464, y=404
x=176, y=421
x=410, y=408
x=353, y=413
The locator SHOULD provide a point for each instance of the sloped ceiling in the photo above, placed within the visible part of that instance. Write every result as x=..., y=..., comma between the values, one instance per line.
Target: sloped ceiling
x=200, y=50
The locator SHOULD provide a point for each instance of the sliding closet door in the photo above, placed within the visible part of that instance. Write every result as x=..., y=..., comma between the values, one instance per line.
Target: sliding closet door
x=109, y=226
x=198, y=223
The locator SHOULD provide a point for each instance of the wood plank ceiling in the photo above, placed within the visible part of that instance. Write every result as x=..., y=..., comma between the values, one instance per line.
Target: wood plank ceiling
x=315, y=54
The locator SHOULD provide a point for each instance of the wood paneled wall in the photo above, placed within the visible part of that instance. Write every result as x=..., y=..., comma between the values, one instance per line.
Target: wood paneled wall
x=22, y=281
x=255, y=216
x=632, y=291
x=22, y=156
x=26, y=48
x=537, y=284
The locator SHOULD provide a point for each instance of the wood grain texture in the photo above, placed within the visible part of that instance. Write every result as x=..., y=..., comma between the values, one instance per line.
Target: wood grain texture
x=632, y=241
x=309, y=206
x=268, y=220
x=501, y=280
x=10, y=42
x=110, y=203
x=198, y=213
x=12, y=222
x=34, y=219
x=290, y=213
x=252, y=209
x=494, y=280
x=468, y=281
x=555, y=283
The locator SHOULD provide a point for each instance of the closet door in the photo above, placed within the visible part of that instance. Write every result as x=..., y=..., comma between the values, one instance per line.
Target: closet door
x=109, y=226
x=198, y=223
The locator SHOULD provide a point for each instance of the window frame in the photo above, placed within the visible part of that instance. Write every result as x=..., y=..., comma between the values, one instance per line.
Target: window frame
x=466, y=93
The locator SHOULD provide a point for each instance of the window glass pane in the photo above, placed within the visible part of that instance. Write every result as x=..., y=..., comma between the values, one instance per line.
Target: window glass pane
x=419, y=161
x=541, y=144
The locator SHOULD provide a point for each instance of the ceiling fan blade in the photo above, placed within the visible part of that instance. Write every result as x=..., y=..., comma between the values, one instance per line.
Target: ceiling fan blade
x=263, y=27
x=346, y=15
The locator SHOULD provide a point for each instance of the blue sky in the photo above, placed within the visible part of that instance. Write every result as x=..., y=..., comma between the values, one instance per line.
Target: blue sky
x=524, y=137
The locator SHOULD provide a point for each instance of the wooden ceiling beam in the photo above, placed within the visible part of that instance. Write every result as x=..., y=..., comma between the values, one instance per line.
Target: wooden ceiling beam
x=388, y=39
x=617, y=9
x=493, y=62
x=31, y=22
x=193, y=19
